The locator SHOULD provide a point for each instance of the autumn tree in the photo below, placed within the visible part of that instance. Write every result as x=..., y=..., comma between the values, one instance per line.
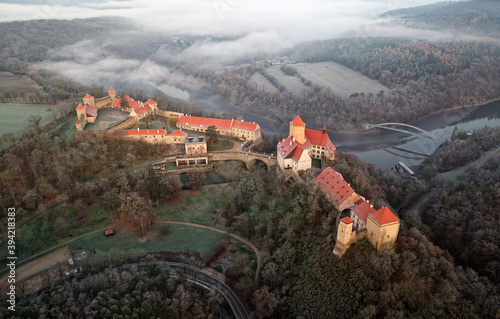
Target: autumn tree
x=212, y=135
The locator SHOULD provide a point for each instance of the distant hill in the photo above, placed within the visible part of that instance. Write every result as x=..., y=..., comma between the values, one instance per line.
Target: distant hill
x=473, y=17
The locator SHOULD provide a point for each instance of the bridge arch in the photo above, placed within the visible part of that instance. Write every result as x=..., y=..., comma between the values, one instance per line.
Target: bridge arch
x=253, y=162
x=390, y=126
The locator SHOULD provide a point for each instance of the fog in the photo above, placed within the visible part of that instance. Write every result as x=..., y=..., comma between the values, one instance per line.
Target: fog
x=292, y=20
x=253, y=27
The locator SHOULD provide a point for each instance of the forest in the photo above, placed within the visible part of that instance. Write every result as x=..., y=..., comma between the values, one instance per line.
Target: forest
x=478, y=17
x=423, y=76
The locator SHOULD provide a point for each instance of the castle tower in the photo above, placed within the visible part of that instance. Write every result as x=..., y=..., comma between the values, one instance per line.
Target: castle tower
x=81, y=114
x=112, y=94
x=344, y=234
x=344, y=231
x=88, y=100
x=383, y=228
x=298, y=129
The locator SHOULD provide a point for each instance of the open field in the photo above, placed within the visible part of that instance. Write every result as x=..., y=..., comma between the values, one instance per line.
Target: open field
x=261, y=83
x=180, y=238
x=14, y=116
x=106, y=118
x=339, y=78
x=291, y=83
x=12, y=82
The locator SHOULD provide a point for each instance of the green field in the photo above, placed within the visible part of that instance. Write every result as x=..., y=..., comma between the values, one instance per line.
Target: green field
x=14, y=116
x=180, y=238
x=106, y=118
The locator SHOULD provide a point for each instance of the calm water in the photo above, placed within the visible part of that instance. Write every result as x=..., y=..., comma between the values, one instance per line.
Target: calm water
x=388, y=150
x=383, y=147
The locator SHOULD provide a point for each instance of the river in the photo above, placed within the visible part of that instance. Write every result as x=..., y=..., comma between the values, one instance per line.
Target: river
x=381, y=147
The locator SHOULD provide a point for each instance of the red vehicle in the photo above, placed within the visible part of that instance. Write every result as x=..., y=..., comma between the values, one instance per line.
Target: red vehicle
x=71, y=263
x=109, y=232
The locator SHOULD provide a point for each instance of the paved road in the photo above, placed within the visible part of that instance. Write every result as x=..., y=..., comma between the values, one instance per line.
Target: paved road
x=200, y=278
x=421, y=204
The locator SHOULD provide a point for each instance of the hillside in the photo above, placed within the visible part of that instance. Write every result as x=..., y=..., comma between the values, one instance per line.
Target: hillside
x=480, y=17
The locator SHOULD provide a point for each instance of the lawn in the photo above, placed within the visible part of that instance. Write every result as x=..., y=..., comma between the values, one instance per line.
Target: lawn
x=262, y=83
x=222, y=144
x=106, y=118
x=40, y=233
x=291, y=83
x=339, y=78
x=180, y=238
x=316, y=162
x=14, y=116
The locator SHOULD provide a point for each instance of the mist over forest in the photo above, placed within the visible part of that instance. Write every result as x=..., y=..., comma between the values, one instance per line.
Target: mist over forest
x=335, y=63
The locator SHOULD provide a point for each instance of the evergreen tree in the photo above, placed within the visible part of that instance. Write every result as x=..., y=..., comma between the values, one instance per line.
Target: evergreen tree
x=154, y=191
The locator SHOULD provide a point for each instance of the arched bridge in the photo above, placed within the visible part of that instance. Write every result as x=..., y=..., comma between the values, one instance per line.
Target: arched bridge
x=394, y=127
x=249, y=158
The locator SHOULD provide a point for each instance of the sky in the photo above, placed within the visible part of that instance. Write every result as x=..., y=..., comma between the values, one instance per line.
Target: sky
x=288, y=19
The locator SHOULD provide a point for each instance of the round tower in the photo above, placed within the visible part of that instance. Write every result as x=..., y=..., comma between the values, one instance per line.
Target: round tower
x=112, y=94
x=298, y=130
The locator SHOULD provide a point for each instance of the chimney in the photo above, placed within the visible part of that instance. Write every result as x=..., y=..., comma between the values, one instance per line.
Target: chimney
x=293, y=140
x=137, y=129
x=290, y=143
x=371, y=205
x=324, y=129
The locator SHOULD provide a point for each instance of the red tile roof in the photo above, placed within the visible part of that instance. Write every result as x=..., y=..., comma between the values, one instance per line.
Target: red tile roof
x=88, y=96
x=335, y=184
x=150, y=132
x=384, y=216
x=128, y=98
x=90, y=111
x=247, y=126
x=134, y=104
x=150, y=102
x=319, y=138
x=287, y=147
x=142, y=109
x=346, y=220
x=111, y=90
x=117, y=103
x=178, y=133
x=146, y=132
x=297, y=121
x=204, y=122
x=78, y=122
x=80, y=107
x=363, y=209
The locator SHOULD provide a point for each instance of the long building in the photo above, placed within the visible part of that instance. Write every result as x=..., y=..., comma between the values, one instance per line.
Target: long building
x=242, y=130
x=381, y=226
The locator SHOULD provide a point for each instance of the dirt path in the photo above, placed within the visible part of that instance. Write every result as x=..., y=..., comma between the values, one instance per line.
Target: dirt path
x=243, y=240
x=42, y=263
x=31, y=262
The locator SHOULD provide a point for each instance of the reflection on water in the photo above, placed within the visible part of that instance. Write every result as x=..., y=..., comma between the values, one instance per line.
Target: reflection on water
x=413, y=152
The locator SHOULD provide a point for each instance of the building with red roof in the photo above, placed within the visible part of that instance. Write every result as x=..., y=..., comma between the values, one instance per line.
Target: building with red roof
x=380, y=226
x=333, y=182
x=153, y=136
x=239, y=129
x=316, y=144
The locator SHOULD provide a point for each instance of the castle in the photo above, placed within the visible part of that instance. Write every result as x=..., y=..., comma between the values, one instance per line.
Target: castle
x=381, y=226
x=87, y=113
x=295, y=153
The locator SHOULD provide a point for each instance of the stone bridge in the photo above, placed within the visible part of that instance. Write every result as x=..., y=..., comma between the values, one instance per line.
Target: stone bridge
x=249, y=158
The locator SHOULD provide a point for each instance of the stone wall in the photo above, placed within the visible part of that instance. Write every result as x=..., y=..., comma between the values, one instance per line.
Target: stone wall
x=124, y=125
